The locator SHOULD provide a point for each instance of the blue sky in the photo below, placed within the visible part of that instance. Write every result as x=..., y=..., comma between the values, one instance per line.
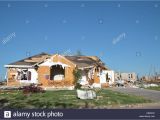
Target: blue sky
x=125, y=35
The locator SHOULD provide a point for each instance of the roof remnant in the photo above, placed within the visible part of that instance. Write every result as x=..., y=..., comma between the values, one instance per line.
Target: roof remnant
x=31, y=60
x=86, y=61
x=80, y=61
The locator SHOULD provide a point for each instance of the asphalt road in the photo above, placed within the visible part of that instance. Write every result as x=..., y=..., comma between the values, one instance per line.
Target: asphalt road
x=148, y=94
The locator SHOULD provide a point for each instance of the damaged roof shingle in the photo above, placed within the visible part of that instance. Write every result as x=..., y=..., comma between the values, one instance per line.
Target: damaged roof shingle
x=31, y=60
x=85, y=61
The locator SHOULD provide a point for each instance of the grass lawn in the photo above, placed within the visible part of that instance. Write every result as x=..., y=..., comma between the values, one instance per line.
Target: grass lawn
x=65, y=99
x=154, y=88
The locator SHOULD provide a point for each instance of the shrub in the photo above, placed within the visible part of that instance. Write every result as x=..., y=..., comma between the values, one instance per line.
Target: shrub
x=31, y=89
x=77, y=76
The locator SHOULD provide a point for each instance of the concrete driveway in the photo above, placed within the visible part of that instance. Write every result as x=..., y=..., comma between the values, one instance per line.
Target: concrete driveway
x=148, y=94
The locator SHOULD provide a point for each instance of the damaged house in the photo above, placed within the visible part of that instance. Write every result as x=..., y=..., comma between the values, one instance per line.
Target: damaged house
x=56, y=71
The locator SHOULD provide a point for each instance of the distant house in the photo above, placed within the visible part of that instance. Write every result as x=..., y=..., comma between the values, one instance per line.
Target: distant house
x=126, y=76
x=56, y=70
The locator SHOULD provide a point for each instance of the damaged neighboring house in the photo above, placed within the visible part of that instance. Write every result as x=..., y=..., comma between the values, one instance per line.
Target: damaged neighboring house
x=57, y=71
x=126, y=76
x=125, y=79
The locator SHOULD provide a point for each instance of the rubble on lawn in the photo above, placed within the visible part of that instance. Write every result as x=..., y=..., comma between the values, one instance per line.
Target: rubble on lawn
x=125, y=83
x=8, y=88
x=86, y=94
x=150, y=85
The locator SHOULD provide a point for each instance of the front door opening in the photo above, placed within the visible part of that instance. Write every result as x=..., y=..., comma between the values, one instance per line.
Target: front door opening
x=57, y=72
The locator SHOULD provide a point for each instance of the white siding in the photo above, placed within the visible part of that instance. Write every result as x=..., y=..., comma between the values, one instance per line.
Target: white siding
x=110, y=75
x=34, y=75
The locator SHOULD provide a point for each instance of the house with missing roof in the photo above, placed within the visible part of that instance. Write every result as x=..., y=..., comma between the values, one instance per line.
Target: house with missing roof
x=57, y=71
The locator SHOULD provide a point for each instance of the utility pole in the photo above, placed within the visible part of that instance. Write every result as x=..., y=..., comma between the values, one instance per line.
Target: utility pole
x=154, y=75
x=150, y=69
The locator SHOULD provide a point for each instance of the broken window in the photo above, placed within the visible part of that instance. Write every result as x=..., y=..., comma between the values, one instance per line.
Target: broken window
x=24, y=74
x=131, y=76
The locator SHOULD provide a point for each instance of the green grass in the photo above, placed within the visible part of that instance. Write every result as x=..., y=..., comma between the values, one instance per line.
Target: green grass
x=65, y=99
x=154, y=88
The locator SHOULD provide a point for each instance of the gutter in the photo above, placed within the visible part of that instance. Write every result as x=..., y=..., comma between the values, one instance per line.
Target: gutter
x=18, y=66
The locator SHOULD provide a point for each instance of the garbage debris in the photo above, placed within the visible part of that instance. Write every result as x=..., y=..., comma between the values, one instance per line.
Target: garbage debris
x=150, y=85
x=86, y=94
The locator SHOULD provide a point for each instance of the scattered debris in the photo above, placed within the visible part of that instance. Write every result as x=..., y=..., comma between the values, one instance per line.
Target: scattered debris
x=150, y=85
x=86, y=94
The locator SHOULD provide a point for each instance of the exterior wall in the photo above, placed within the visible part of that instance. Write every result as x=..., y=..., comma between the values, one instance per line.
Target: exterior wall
x=12, y=77
x=110, y=76
x=10, y=80
x=69, y=74
x=44, y=71
x=126, y=76
x=43, y=75
x=34, y=76
x=97, y=75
